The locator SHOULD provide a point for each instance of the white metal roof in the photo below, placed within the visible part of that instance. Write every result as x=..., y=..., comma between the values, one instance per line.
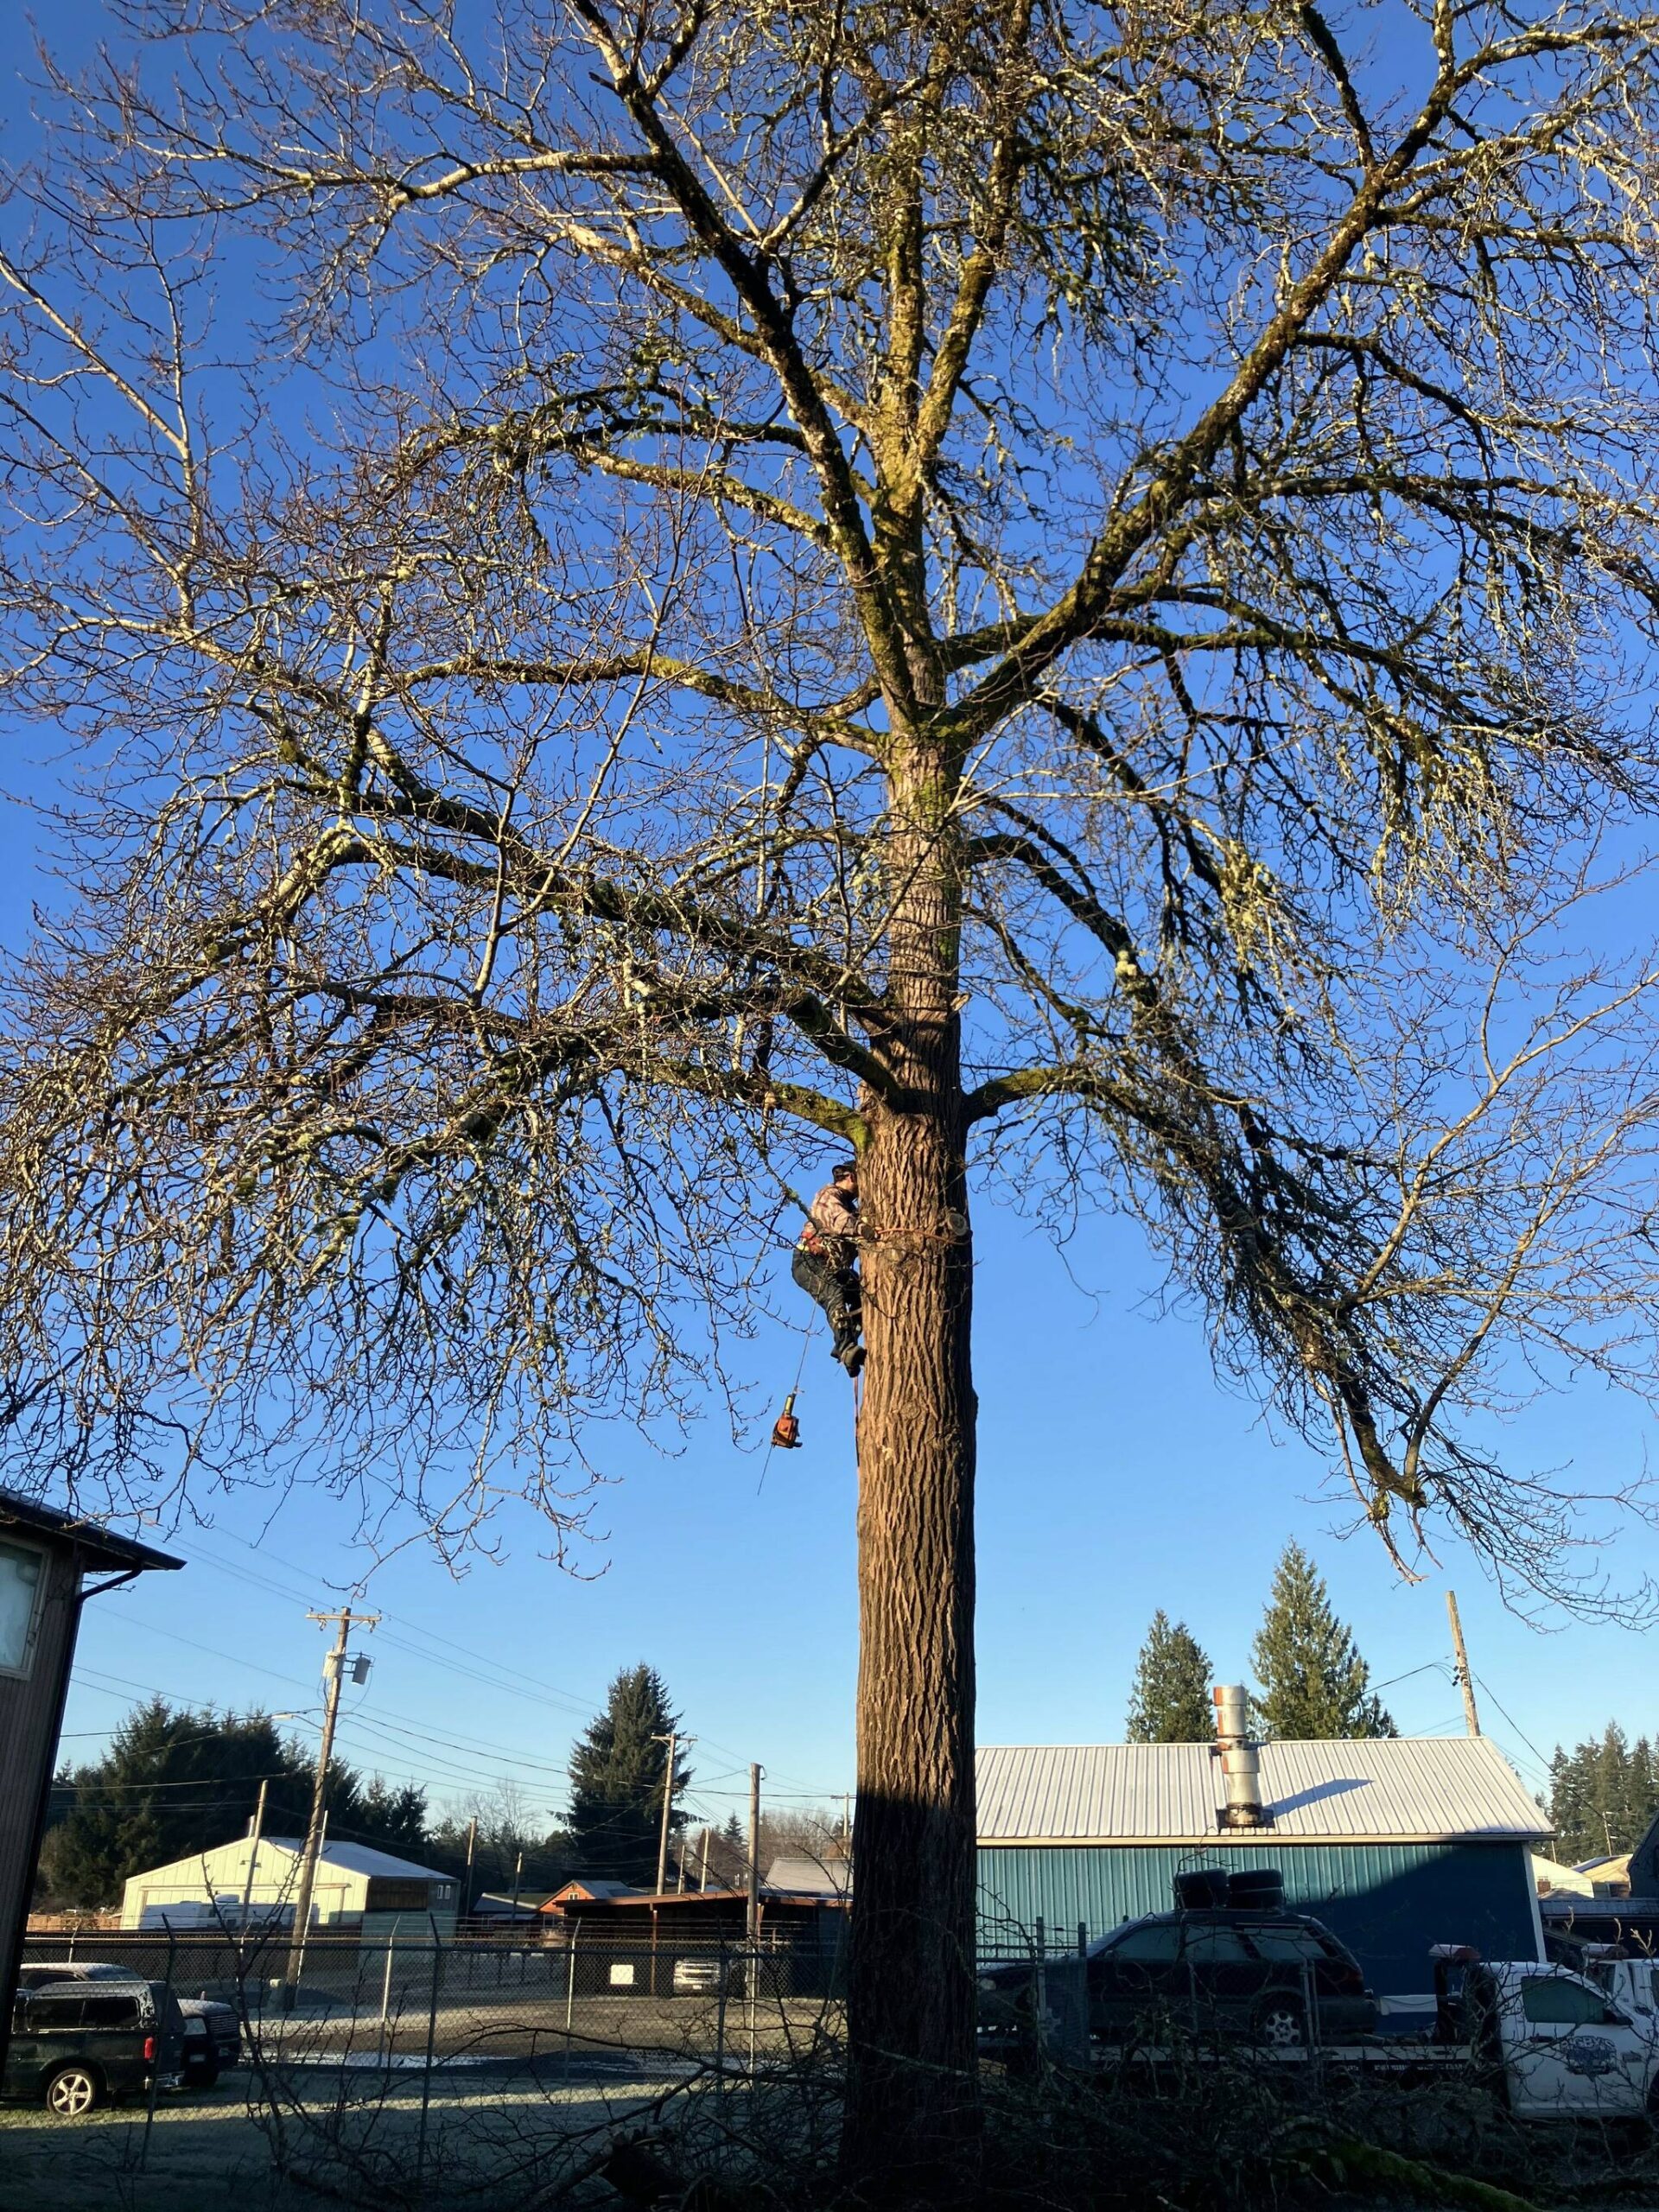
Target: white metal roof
x=362, y=1859
x=799, y=1872
x=1393, y=1789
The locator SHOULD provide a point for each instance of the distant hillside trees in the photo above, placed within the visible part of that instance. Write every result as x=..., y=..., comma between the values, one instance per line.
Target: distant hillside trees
x=176, y=1781
x=617, y=1774
x=1602, y=1794
x=1169, y=1699
x=1312, y=1682
x=513, y=1841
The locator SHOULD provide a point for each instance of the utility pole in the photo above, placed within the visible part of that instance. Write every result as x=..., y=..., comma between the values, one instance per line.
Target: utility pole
x=1465, y=1681
x=703, y=1876
x=254, y=1835
x=334, y=1668
x=673, y=1740
x=472, y=1847
x=754, y=1854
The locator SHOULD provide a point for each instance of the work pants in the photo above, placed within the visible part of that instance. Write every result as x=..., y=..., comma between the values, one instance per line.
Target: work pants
x=835, y=1289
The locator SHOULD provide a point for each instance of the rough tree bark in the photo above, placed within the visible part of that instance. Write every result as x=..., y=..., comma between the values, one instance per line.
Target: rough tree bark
x=796, y=563
x=910, y=2005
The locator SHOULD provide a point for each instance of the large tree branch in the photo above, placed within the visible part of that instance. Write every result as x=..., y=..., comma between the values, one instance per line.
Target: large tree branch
x=749, y=280
x=1015, y=681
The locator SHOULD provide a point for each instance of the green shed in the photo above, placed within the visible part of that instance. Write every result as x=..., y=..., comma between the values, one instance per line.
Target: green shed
x=1394, y=1844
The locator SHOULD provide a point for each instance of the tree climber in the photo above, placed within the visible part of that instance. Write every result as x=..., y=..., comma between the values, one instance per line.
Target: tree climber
x=825, y=1263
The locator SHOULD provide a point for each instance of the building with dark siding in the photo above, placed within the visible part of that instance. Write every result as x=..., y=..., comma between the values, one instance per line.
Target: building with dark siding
x=45, y=1558
x=1394, y=1844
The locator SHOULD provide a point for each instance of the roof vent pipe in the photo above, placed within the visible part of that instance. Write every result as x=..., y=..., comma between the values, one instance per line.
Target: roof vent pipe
x=1241, y=1771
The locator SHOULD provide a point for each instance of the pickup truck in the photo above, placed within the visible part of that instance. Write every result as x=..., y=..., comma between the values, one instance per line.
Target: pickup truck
x=1566, y=2045
x=1632, y=1982
x=1555, y=2044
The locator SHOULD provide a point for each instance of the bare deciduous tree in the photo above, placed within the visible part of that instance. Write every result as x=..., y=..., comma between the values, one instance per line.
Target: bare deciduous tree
x=1058, y=595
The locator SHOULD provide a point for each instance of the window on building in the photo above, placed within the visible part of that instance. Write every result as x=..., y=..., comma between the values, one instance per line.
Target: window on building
x=22, y=1574
x=1549, y=2000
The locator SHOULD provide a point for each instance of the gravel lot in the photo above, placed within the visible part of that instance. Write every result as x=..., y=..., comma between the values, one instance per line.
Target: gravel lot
x=207, y=2154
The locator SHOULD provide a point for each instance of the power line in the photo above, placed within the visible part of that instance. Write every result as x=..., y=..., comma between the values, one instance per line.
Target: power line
x=190, y=1781
x=1430, y=1667
x=1542, y=1762
x=503, y=1678
x=231, y=1658
x=543, y=1691
x=497, y=1674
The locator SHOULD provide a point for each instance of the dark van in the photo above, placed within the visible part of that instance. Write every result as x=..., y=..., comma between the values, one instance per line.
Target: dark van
x=75, y=2045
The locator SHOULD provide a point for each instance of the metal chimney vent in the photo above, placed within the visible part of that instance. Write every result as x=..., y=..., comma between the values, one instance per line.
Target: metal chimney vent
x=1241, y=1769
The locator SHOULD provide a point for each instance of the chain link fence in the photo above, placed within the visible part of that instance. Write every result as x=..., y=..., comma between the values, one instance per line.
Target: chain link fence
x=569, y=1997
x=491, y=2067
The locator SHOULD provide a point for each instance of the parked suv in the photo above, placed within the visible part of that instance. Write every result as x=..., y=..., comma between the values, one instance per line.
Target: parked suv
x=699, y=1976
x=1239, y=1971
x=213, y=2032
x=77, y=2044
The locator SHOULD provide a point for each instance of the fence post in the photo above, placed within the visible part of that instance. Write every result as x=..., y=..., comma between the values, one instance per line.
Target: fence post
x=570, y=1988
x=431, y=2037
x=385, y=1986
x=156, y=2070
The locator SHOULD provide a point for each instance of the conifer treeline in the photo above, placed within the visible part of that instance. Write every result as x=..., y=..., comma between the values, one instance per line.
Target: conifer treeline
x=1602, y=1794
x=1310, y=1681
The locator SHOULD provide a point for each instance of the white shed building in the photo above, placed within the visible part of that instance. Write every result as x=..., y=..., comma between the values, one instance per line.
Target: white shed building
x=358, y=1889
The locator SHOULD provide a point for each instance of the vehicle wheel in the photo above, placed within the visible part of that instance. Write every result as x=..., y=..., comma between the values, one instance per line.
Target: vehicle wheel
x=73, y=2091
x=1279, y=2025
x=203, y=2074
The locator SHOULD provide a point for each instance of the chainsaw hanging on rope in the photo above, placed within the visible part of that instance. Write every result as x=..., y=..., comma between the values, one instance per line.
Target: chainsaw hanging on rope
x=786, y=1430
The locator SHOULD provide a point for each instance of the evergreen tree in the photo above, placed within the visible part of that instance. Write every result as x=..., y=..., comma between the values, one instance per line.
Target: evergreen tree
x=175, y=1781
x=1610, y=1794
x=1603, y=1795
x=1568, y=1806
x=1169, y=1699
x=393, y=1819
x=1642, y=1794
x=1313, y=1683
x=616, y=1773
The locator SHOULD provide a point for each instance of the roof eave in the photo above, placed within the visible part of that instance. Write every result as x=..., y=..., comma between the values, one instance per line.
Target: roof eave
x=100, y=1546
x=1215, y=1837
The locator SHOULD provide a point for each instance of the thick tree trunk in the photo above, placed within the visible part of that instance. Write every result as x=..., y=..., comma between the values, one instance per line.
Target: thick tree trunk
x=911, y=2118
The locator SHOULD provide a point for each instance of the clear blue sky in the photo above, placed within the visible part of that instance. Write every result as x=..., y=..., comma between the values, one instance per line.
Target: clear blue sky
x=1116, y=1477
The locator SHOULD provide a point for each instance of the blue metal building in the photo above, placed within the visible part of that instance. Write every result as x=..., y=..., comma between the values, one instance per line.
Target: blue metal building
x=1394, y=1844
